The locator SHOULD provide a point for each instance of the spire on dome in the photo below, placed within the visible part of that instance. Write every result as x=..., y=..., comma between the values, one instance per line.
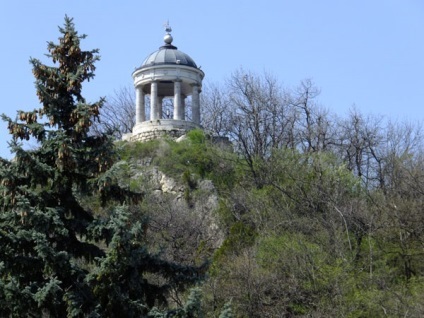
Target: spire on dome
x=168, y=37
x=168, y=28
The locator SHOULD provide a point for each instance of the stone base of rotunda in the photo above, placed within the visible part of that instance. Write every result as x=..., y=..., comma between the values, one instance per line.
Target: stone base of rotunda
x=160, y=128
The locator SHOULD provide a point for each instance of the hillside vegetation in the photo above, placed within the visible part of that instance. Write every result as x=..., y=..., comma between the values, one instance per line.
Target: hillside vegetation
x=310, y=240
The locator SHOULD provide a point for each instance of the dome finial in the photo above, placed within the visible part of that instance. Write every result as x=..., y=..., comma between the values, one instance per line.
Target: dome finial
x=168, y=28
x=168, y=37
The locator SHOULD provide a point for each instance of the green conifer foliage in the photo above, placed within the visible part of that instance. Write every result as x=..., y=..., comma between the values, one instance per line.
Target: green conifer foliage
x=42, y=222
x=51, y=262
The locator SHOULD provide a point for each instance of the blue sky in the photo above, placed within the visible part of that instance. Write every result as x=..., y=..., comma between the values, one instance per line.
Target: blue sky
x=364, y=53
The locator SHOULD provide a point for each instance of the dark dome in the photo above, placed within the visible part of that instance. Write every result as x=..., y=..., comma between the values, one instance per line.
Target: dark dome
x=168, y=54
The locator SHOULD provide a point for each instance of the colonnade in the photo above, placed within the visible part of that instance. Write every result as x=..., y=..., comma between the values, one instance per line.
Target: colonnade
x=156, y=111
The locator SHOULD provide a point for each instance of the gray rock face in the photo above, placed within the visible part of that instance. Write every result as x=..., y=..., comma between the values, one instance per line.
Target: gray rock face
x=158, y=181
x=201, y=203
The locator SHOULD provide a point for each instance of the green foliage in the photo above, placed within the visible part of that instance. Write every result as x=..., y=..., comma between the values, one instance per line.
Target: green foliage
x=197, y=136
x=240, y=236
x=303, y=237
x=129, y=151
x=194, y=157
x=188, y=180
x=227, y=311
x=42, y=222
x=323, y=245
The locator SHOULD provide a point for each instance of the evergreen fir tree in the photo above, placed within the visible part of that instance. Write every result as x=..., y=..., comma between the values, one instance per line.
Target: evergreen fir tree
x=50, y=260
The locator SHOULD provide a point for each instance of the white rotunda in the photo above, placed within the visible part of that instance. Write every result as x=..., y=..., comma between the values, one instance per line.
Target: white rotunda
x=166, y=73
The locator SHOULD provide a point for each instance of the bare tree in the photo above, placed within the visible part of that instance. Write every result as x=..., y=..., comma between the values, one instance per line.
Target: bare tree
x=360, y=140
x=118, y=113
x=256, y=115
x=401, y=155
x=313, y=130
x=215, y=110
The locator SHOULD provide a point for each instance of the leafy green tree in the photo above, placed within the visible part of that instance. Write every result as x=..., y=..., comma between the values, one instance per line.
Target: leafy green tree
x=57, y=258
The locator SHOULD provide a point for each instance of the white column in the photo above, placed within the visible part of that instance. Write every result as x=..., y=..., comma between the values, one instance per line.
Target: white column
x=195, y=105
x=177, y=100
x=159, y=107
x=183, y=105
x=140, y=112
x=153, y=101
